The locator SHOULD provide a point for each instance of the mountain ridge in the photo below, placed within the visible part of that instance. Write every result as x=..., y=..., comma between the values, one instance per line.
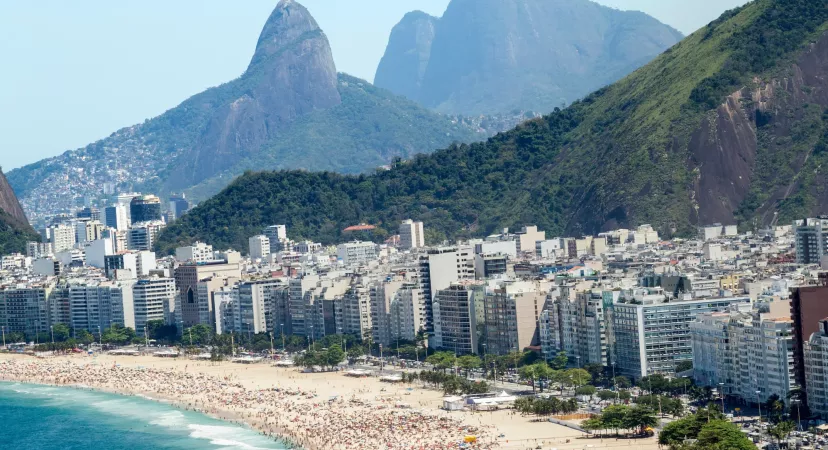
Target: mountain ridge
x=494, y=56
x=15, y=230
x=200, y=145
x=648, y=149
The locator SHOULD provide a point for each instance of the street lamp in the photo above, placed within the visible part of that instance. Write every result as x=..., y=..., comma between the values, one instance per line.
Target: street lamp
x=52, y=330
x=282, y=330
x=722, y=394
x=759, y=404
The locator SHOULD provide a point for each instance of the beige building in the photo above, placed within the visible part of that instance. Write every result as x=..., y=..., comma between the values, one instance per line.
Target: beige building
x=512, y=310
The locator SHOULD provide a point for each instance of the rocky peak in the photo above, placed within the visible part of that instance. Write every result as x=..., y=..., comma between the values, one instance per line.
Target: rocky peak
x=8, y=201
x=404, y=64
x=287, y=25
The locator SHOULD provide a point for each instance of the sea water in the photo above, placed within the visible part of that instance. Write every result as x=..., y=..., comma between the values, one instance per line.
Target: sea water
x=35, y=417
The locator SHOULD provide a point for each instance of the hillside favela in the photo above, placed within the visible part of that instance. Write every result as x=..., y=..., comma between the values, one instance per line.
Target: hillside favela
x=545, y=224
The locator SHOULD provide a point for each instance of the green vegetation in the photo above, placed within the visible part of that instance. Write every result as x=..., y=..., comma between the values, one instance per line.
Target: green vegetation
x=622, y=417
x=450, y=384
x=545, y=406
x=710, y=430
x=618, y=157
x=14, y=235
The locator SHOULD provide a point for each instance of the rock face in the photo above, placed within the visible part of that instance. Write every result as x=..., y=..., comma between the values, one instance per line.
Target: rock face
x=292, y=73
x=406, y=59
x=9, y=203
x=763, y=145
x=494, y=56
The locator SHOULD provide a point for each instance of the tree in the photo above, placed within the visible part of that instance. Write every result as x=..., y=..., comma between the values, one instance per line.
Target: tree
x=469, y=363
x=622, y=382
x=60, y=332
x=639, y=418
x=198, y=335
x=442, y=360
x=774, y=407
x=587, y=390
x=656, y=383
x=675, y=433
x=527, y=373
x=605, y=395
x=613, y=416
x=560, y=361
x=334, y=355
x=781, y=430
x=578, y=377
x=542, y=373
x=722, y=435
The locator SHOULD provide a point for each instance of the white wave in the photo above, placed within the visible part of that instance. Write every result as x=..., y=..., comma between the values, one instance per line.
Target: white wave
x=226, y=437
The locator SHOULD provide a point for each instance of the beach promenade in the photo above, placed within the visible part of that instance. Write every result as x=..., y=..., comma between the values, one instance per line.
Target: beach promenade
x=317, y=411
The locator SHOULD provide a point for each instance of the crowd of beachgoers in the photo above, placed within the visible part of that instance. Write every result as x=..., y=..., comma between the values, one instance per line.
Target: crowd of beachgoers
x=299, y=417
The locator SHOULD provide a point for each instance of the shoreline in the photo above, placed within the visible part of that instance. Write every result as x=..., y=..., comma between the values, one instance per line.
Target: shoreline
x=311, y=411
x=265, y=411
x=151, y=396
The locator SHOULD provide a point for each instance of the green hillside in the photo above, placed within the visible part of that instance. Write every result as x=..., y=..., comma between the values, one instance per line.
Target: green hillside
x=692, y=137
x=14, y=235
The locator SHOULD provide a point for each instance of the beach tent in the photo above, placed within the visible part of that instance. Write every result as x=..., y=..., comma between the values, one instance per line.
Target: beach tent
x=453, y=403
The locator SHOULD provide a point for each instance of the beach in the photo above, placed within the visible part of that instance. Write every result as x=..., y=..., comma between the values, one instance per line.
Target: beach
x=316, y=411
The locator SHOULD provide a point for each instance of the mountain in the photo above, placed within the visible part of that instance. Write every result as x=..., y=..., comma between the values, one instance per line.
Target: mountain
x=289, y=109
x=495, y=56
x=15, y=230
x=730, y=125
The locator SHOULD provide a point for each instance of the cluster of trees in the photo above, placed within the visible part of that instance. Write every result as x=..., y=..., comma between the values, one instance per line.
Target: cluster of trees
x=710, y=430
x=665, y=404
x=540, y=406
x=622, y=417
x=541, y=374
x=330, y=357
x=449, y=383
x=14, y=234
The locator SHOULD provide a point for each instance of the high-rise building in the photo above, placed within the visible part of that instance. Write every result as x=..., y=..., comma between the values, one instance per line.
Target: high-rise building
x=355, y=253
x=196, y=253
x=408, y=312
x=811, y=240
x=578, y=323
x=143, y=236
x=356, y=311
x=439, y=268
x=652, y=333
x=194, y=308
x=179, y=205
x=25, y=310
x=146, y=208
x=153, y=299
x=62, y=237
x=89, y=213
x=808, y=306
x=744, y=352
x=117, y=217
x=512, y=313
x=259, y=247
x=412, y=234
x=457, y=322
x=528, y=237
x=816, y=370
x=277, y=234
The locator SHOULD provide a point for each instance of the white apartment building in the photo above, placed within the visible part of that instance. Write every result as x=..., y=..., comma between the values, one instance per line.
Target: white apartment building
x=652, y=333
x=745, y=352
x=381, y=294
x=62, y=237
x=811, y=240
x=117, y=217
x=153, y=299
x=816, y=370
x=356, y=253
x=408, y=312
x=411, y=234
x=356, y=311
x=259, y=247
x=197, y=253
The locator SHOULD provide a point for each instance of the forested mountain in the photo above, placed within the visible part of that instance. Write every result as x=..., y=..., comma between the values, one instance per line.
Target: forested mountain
x=289, y=110
x=496, y=56
x=15, y=230
x=729, y=125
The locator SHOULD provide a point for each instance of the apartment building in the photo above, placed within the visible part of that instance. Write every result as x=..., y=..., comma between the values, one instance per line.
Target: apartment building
x=196, y=253
x=194, y=308
x=259, y=247
x=153, y=299
x=744, y=351
x=816, y=370
x=652, y=333
x=457, y=324
x=356, y=253
x=512, y=312
x=412, y=235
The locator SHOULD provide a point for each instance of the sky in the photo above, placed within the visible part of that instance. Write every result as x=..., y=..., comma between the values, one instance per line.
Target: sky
x=74, y=72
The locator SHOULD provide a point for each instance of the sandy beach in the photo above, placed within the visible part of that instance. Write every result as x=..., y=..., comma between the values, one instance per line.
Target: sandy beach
x=318, y=411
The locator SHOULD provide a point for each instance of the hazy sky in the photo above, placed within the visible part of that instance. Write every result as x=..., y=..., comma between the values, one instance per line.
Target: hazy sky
x=74, y=72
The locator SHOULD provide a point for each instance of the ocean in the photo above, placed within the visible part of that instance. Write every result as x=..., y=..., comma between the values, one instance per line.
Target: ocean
x=34, y=417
